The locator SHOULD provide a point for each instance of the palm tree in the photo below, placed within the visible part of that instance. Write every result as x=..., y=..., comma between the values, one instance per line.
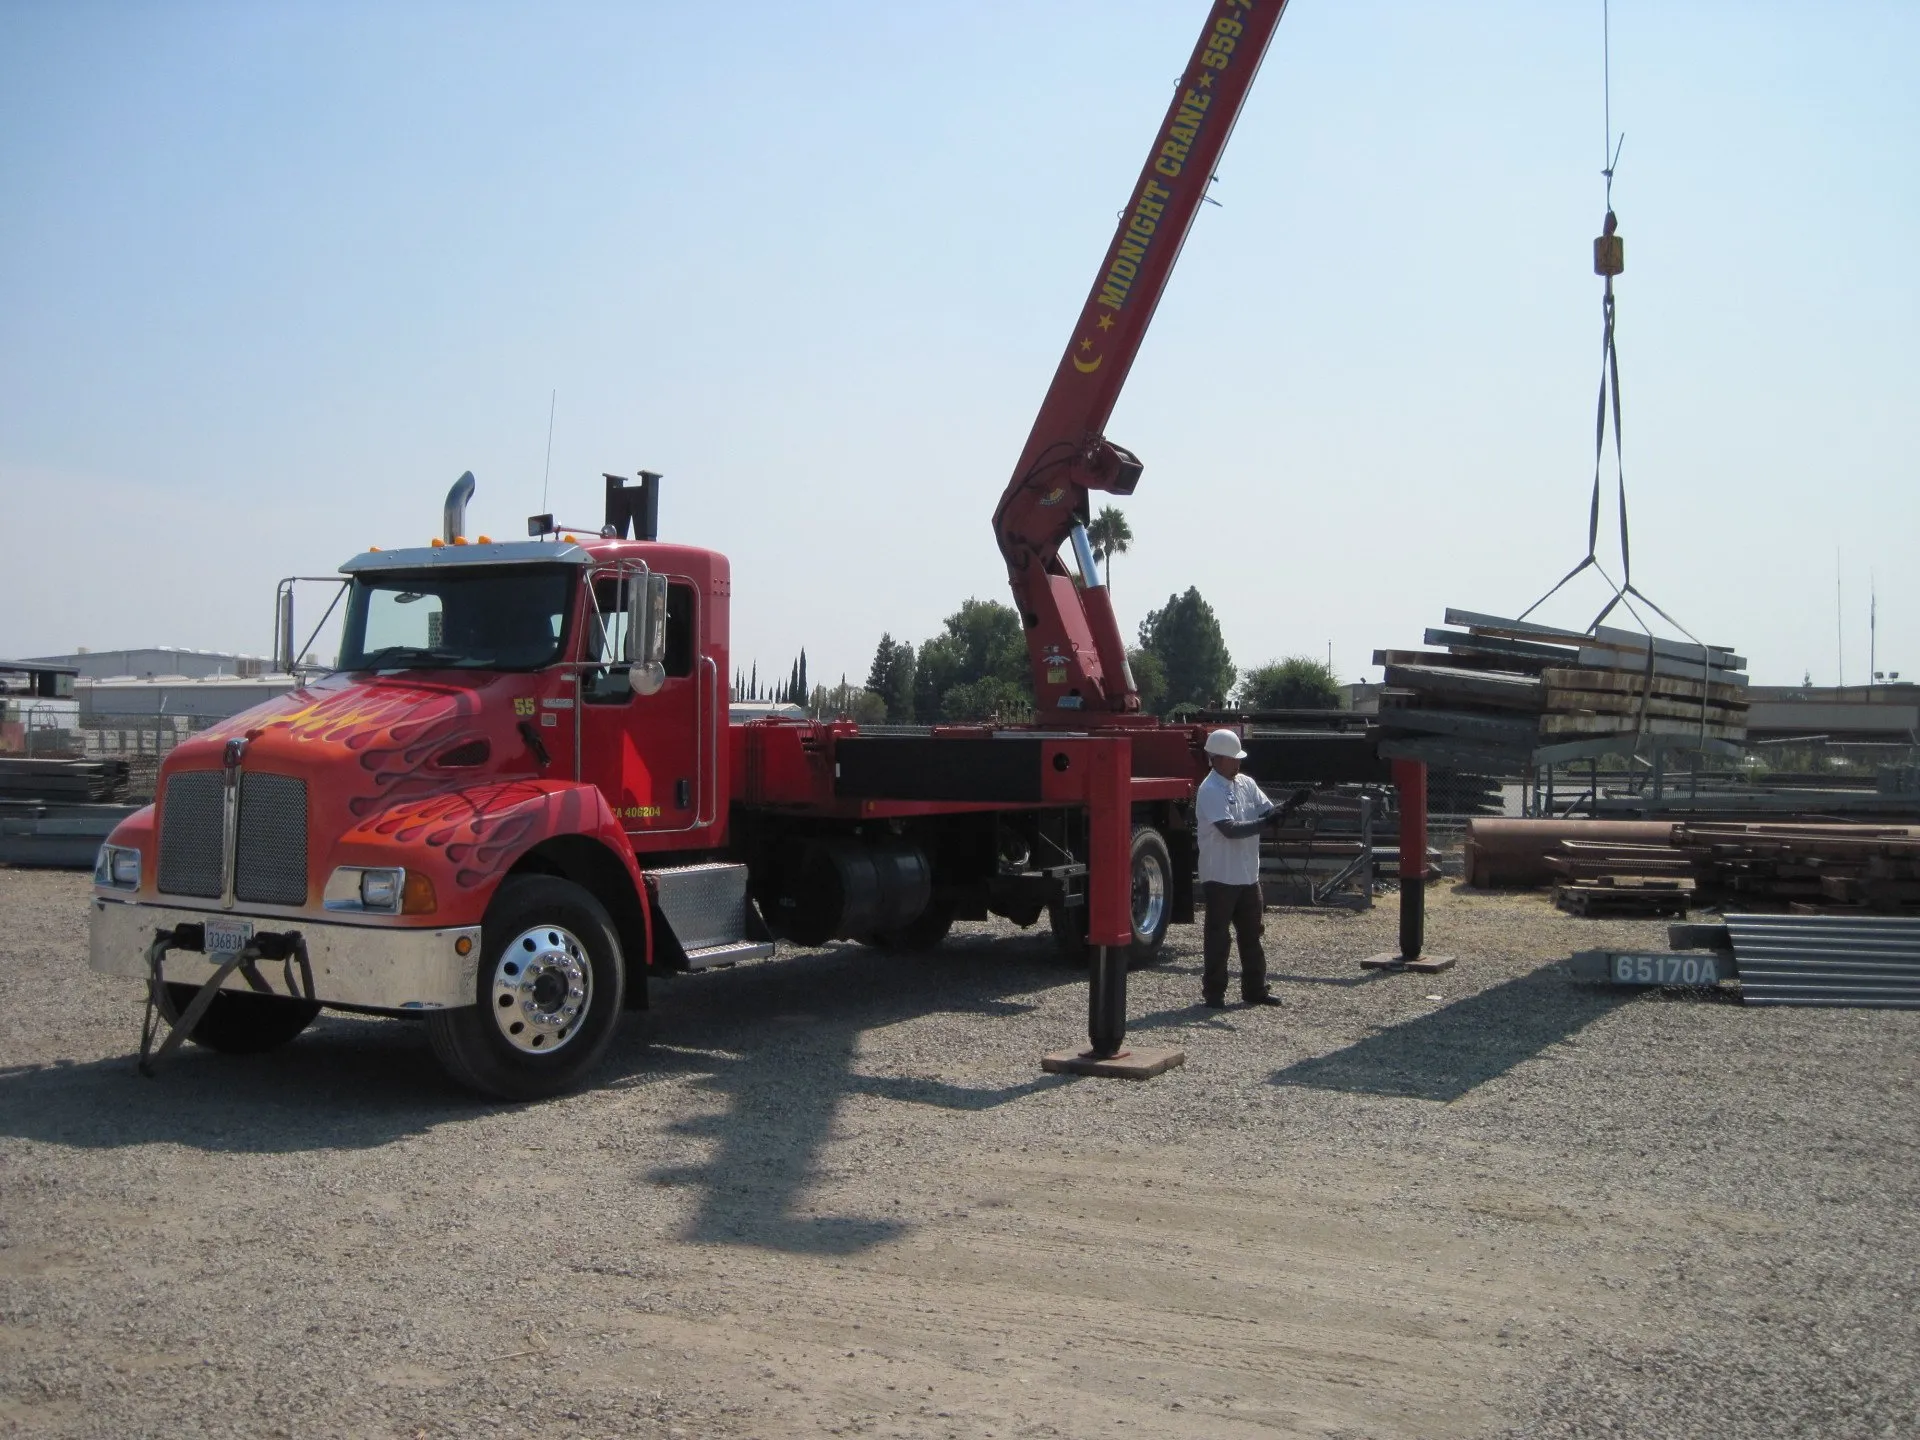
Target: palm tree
x=1110, y=535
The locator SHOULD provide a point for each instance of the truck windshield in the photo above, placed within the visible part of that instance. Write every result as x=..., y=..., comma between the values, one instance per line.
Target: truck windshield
x=498, y=618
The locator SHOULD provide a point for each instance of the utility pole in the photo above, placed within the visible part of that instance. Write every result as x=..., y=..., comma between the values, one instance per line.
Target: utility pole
x=1873, y=631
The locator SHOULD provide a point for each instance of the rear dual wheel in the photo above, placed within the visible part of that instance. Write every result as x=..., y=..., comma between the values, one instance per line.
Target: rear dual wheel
x=1150, y=868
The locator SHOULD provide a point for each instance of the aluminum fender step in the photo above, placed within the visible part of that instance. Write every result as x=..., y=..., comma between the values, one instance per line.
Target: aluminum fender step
x=707, y=909
x=714, y=957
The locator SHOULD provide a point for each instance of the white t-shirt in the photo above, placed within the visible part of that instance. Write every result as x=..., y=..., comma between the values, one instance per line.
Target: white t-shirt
x=1224, y=861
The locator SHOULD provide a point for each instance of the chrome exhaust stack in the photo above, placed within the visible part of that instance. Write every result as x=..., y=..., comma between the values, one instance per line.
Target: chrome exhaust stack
x=454, y=517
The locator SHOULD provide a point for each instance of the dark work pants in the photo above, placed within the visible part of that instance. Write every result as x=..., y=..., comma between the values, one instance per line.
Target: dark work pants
x=1240, y=907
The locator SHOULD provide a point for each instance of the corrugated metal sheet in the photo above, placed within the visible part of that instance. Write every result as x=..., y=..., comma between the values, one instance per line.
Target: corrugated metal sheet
x=1868, y=961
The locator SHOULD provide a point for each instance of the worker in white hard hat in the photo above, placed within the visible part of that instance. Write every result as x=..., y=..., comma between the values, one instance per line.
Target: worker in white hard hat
x=1229, y=812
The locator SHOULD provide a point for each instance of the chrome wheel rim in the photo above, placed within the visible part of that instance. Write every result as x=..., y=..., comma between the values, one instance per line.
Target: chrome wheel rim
x=1149, y=895
x=542, y=985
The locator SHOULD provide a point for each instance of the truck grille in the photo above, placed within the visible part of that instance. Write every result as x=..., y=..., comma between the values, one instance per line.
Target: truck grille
x=190, y=835
x=271, y=868
x=271, y=865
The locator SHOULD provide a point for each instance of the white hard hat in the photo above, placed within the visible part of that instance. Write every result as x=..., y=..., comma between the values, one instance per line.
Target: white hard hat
x=1225, y=744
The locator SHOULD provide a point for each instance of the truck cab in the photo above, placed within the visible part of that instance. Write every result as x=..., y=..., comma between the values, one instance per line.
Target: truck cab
x=549, y=710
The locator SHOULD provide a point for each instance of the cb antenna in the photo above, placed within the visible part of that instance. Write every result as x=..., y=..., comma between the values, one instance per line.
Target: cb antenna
x=552, y=399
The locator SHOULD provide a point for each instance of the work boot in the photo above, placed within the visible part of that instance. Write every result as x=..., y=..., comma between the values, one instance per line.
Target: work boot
x=1265, y=997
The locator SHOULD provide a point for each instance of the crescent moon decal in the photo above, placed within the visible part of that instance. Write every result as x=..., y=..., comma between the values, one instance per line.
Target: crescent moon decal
x=1087, y=367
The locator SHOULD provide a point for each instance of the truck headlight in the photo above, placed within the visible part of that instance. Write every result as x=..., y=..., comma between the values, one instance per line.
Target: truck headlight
x=117, y=866
x=380, y=890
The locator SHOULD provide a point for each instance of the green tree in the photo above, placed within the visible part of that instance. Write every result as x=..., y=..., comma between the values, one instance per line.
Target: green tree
x=1111, y=535
x=980, y=640
x=1185, y=637
x=988, y=700
x=1298, y=682
x=990, y=640
x=940, y=666
x=847, y=702
x=891, y=678
x=1149, y=679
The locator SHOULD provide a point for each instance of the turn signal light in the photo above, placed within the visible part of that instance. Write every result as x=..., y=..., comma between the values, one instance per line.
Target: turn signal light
x=416, y=896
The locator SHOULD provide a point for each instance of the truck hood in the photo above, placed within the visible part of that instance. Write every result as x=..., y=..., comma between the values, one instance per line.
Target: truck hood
x=424, y=768
x=374, y=740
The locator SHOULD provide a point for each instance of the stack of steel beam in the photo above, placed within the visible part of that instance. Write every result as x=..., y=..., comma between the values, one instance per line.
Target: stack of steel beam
x=62, y=781
x=1873, y=867
x=1511, y=694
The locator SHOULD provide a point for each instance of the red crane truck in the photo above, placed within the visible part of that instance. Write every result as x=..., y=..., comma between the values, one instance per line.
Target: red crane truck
x=520, y=796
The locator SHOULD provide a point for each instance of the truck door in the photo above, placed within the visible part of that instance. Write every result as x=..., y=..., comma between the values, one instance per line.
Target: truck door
x=653, y=755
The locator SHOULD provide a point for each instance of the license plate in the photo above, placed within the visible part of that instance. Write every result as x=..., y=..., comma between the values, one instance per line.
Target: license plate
x=228, y=937
x=1665, y=970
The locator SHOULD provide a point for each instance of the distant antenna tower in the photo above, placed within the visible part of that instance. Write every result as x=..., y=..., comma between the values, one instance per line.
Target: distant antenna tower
x=1839, y=627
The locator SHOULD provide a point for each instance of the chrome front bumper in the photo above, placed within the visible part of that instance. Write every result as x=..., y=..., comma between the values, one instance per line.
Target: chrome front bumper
x=377, y=966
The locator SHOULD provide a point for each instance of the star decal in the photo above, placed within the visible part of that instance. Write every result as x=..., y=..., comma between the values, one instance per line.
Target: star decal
x=1086, y=344
x=1106, y=322
x=1206, y=79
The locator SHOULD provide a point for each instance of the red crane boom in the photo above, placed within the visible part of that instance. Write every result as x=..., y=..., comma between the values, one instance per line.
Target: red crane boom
x=1079, y=660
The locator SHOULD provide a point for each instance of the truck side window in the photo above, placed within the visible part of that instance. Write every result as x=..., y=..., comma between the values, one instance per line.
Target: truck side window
x=603, y=641
x=607, y=683
x=679, y=657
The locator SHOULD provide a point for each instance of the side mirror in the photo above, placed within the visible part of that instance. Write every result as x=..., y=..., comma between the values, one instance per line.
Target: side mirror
x=283, y=656
x=646, y=643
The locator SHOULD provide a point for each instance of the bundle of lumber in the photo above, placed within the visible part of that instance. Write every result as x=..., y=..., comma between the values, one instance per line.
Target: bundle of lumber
x=1625, y=896
x=1499, y=690
x=1871, y=867
x=63, y=781
x=1600, y=860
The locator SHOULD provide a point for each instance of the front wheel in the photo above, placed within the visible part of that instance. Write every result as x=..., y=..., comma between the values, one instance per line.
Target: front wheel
x=1150, y=870
x=550, y=983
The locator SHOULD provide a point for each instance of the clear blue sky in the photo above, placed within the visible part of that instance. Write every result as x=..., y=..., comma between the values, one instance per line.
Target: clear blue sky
x=272, y=275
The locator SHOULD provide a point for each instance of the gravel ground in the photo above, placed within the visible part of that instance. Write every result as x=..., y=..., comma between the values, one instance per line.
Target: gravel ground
x=834, y=1194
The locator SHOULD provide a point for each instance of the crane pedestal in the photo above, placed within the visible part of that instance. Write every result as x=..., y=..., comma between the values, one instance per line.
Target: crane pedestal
x=1131, y=1064
x=1108, y=1055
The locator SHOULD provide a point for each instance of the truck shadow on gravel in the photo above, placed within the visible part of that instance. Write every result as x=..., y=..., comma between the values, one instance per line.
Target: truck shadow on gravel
x=779, y=1041
x=344, y=1084
x=1456, y=1048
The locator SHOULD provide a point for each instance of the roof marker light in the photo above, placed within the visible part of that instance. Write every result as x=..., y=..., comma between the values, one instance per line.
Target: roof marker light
x=483, y=540
x=437, y=543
